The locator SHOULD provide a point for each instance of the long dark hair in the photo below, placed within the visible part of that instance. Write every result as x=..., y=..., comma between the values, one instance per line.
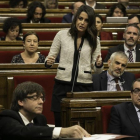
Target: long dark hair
x=32, y=7
x=113, y=7
x=91, y=32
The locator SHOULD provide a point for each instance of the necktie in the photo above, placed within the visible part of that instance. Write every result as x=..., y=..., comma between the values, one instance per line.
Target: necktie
x=130, y=55
x=30, y=124
x=117, y=84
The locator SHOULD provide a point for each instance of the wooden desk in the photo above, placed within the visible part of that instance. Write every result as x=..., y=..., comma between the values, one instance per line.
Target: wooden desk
x=84, y=108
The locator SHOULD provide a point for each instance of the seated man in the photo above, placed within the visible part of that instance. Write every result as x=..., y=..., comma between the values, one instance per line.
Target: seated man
x=125, y=117
x=25, y=121
x=94, y=4
x=35, y=13
x=69, y=17
x=130, y=47
x=107, y=79
x=134, y=19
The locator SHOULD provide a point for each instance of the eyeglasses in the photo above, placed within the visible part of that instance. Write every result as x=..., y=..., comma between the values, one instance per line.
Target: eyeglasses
x=136, y=91
x=35, y=97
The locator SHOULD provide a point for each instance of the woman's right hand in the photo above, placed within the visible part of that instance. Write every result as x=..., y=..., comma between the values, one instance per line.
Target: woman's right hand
x=50, y=60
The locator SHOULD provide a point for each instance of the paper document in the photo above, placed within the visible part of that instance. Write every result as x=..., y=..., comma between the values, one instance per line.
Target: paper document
x=100, y=137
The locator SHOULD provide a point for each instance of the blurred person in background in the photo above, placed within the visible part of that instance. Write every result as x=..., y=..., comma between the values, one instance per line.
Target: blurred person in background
x=30, y=54
x=134, y=19
x=126, y=4
x=51, y=4
x=94, y=4
x=117, y=10
x=12, y=28
x=69, y=17
x=102, y=34
x=18, y=3
x=35, y=13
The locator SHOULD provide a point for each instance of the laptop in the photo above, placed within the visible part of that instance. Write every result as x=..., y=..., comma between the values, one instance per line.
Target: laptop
x=2, y=19
x=116, y=19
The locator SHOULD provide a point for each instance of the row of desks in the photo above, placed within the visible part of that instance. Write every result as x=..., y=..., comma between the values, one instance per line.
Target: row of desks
x=69, y=3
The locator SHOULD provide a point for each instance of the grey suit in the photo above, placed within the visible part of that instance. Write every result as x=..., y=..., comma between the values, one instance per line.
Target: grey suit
x=100, y=81
x=124, y=120
x=121, y=48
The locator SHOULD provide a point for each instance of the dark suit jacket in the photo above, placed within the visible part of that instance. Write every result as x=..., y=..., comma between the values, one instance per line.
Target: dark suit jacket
x=100, y=81
x=12, y=127
x=44, y=20
x=121, y=48
x=124, y=120
x=67, y=18
x=105, y=36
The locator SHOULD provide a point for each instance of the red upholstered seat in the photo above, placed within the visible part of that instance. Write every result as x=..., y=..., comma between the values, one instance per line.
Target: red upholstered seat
x=2, y=34
x=45, y=53
x=137, y=75
x=120, y=36
x=105, y=111
x=47, y=82
x=104, y=53
x=6, y=56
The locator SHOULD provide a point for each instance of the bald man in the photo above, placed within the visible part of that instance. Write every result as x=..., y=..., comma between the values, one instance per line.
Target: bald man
x=69, y=17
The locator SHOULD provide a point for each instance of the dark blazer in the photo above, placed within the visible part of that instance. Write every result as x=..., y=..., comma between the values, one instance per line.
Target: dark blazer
x=121, y=48
x=100, y=81
x=12, y=127
x=124, y=120
x=67, y=18
x=43, y=20
x=106, y=36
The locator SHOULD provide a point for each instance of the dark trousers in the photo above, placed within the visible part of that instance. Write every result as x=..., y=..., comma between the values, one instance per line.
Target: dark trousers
x=59, y=91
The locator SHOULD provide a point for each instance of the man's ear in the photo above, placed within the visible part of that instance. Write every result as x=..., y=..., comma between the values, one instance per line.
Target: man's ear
x=109, y=62
x=72, y=11
x=123, y=35
x=20, y=102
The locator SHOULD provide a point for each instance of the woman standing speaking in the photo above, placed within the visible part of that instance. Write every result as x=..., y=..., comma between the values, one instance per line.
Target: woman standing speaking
x=79, y=49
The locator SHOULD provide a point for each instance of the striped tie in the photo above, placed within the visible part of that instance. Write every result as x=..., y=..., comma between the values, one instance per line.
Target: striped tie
x=130, y=55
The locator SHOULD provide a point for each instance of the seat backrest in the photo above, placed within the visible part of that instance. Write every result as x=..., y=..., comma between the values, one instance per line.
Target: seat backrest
x=105, y=112
x=6, y=56
x=47, y=82
x=45, y=35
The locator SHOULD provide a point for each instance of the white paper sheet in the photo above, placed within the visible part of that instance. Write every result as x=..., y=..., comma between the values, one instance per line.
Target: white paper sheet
x=100, y=137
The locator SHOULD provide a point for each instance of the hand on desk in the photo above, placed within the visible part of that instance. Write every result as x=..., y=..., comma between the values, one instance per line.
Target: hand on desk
x=75, y=131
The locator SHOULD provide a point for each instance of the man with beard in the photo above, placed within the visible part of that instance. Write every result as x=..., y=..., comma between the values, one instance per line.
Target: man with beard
x=114, y=79
x=35, y=14
x=130, y=47
x=125, y=117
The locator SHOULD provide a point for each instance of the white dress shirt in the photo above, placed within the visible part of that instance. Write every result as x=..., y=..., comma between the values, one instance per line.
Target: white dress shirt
x=133, y=52
x=111, y=84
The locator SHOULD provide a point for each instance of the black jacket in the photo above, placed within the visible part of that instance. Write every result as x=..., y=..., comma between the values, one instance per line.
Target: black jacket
x=124, y=120
x=12, y=127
